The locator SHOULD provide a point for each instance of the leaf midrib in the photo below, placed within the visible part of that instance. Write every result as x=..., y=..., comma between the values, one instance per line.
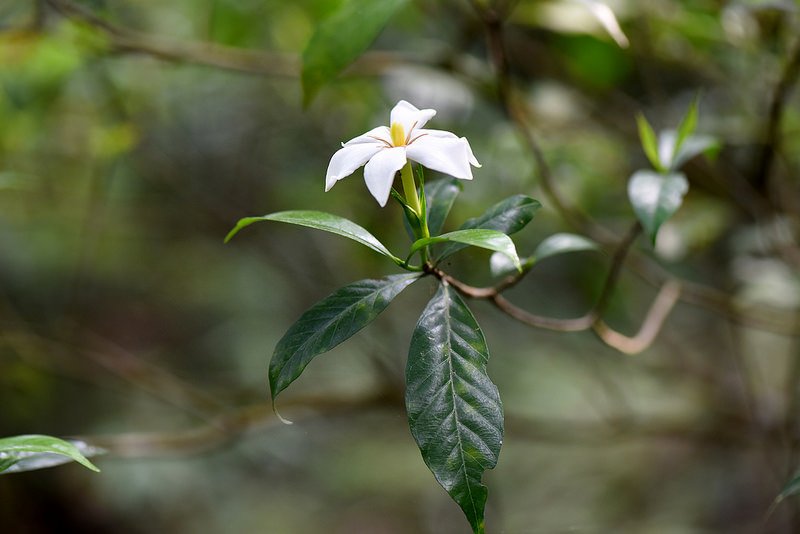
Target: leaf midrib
x=455, y=409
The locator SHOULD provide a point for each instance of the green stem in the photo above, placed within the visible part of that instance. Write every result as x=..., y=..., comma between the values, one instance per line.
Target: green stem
x=410, y=189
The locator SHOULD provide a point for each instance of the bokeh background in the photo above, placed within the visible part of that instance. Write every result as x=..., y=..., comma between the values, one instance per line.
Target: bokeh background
x=133, y=136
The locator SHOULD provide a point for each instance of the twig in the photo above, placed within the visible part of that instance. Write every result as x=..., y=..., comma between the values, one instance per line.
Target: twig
x=653, y=322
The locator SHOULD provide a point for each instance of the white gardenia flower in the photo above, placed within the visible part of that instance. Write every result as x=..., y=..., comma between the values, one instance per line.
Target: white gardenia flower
x=385, y=150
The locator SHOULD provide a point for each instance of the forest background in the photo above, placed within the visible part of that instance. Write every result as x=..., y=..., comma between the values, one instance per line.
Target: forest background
x=133, y=136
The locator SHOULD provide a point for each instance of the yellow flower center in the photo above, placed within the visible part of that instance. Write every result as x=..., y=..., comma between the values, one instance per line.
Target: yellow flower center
x=398, y=134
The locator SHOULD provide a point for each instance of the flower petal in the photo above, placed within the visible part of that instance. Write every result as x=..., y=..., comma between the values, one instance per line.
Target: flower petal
x=380, y=171
x=447, y=135
x=447, y=155
x=380, y=134
x=435, y=133
x=410, y=117
x=347, y=159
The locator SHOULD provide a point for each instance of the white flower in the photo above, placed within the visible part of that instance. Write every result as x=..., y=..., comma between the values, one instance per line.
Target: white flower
x=385, y=151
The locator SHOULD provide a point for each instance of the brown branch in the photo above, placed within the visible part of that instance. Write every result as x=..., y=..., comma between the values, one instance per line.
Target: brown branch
x=654, y=320
x=593, y=315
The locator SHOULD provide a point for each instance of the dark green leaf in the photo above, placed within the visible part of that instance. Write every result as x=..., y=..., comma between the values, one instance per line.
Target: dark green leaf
x=328, y=323
x=33, y=451
x=508, y=216
x=655, y=197
x=454, y=409
x=340, y=39
x=478, y=237
x=321, y=221
x=440, y=196
x=649, y=143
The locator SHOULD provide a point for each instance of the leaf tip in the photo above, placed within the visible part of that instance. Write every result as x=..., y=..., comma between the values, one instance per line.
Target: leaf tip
x=281, y=418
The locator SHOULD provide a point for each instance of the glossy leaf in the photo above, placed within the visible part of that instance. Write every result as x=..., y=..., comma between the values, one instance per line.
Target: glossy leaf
x=328, y=323
x=655, y=198
x=454, y=409
x=508, y=216
x=440, y=196
x=340, y=39
x=488, y=239
x=24, y=453
x=649, y=142
x=320, y=221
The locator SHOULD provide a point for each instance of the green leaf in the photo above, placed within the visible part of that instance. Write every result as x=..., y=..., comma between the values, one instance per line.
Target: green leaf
x=454, y=409
x=655, y=198
x=561, y=244
x=508, y=216
x=340, y=39
x=328, y=323
x=33, y=451
x=488, y=239
x=321, y=221
x=440, y=195
x=649, y=143
x=687, y=125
